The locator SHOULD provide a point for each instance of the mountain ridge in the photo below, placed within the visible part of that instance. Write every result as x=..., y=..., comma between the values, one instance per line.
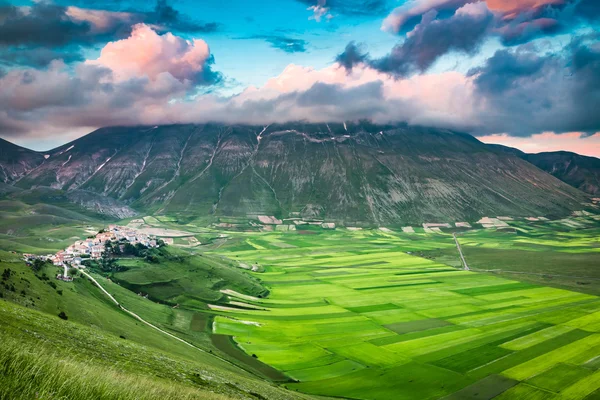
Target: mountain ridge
x=345, y=172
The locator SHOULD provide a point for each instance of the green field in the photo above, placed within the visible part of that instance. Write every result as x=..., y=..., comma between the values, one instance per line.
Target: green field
x=362, y=315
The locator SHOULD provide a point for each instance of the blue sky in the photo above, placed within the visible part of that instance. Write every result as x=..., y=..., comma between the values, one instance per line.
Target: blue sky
x=499, y=69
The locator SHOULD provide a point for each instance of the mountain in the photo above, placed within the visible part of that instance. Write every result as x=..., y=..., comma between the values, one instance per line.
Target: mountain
x=16, y=161
x=348, y=173
x=578, y=171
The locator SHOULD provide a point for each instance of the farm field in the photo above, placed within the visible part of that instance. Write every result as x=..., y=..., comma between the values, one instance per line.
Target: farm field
x=546, y=253
x=360, y=315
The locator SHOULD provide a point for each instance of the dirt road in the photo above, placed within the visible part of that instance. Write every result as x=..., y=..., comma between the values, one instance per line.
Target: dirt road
x=462, y=257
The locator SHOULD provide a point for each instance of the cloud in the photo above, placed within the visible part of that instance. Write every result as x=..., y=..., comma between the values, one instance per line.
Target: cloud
x=459, y=26
x=463, y=32
x=504, y=70
x=352, y=55
x=41, y=24
x=521, y=92
x=147, y=54
x=55, y=100
x=48, y=26
x=320, y=11
x=349, y=7
x=167, y=18
x=284, y=43
x=511, y=9
x=433, y=28
x=507, y=10
x=149, y=78
x=38, y=57
x=413, y=10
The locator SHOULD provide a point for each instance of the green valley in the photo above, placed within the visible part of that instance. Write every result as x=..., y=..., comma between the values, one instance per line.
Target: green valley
x=352, y=313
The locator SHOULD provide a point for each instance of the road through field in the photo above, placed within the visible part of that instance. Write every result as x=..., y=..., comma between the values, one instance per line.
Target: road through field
x=462, y=257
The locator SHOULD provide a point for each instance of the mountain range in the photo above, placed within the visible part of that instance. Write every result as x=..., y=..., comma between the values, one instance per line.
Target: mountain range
x=352, y=173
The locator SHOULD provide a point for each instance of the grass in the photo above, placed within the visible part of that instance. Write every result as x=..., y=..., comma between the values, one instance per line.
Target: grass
x=179, y=277
x=36, y=373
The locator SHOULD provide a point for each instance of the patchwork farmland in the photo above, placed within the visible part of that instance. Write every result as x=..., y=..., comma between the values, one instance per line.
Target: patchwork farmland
x=359, y=315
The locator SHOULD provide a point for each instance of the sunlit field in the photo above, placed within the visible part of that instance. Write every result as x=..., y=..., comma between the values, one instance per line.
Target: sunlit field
x=362, y=315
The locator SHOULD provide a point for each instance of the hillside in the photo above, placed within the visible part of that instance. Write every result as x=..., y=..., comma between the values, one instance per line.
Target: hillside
x=349, y=173
x=16, y=161
x=97, y=351
x=578, y=171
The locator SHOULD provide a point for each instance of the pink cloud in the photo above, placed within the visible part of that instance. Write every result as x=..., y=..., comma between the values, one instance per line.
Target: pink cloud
x=147, y=54
x=576, y=142
x=100, y=21
x=504, y=9
x=512, y=8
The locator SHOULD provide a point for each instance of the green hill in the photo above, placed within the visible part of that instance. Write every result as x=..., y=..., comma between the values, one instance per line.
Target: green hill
x=100, y=351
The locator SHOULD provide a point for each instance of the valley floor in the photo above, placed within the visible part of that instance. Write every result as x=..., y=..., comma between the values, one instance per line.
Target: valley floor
x=365, y=315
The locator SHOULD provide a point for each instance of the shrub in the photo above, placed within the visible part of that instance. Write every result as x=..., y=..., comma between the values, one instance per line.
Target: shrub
x=6, y=274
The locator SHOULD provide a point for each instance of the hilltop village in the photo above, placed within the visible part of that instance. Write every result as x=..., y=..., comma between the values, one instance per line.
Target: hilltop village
x=95, y=247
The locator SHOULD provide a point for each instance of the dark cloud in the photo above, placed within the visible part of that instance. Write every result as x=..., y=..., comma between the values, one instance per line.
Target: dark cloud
x=589, y=9
x=433, y=38
x=168, y=18
x=50, y=25
x=209, y=76
x=430, y=39
x=352, y=7
x=284, y=43
x=515, y=32
x=522, y=92
x=353, y=54
x=44, y=25
x=37, y=57
x=505, y=69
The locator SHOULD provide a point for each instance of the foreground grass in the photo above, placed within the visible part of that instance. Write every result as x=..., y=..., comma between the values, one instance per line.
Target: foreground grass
x=39, y=374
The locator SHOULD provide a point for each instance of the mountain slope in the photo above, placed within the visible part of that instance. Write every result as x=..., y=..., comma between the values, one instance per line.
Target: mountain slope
x=16, y=161
x=342, y=172
x=578, y=171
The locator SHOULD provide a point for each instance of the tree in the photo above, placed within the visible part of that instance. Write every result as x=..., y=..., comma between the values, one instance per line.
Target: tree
x=37, y=265
x=6, y=274
x=62, y=315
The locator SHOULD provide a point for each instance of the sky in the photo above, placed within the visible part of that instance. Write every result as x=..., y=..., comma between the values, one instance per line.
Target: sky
x=524, y=73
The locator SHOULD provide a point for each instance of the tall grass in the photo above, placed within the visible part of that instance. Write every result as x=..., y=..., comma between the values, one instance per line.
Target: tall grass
x=38, y=374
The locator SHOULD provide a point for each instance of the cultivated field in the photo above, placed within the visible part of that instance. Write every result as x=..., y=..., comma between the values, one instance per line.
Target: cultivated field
x=359, y=315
